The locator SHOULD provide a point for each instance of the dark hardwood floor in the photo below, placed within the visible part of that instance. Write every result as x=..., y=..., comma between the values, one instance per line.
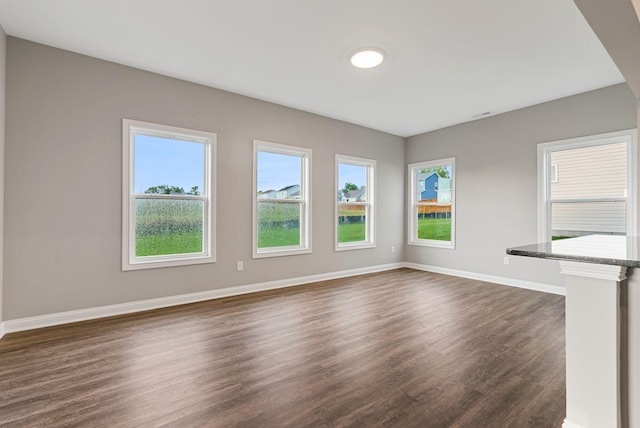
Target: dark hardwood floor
x=401, y=348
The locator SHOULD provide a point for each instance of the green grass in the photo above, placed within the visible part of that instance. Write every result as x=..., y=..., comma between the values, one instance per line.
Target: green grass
x=351, y=232
x=162, y=244
x=278, y=237
x=438, y=229
x=281, y=237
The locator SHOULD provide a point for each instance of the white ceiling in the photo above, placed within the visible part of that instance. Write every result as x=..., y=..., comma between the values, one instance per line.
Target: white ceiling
x=447, y=60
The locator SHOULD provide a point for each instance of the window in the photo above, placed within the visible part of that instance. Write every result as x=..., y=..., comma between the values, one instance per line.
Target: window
x=432, y=203
x=355, y=178
x=168, y=202
x=281, y=202
x=596, y=194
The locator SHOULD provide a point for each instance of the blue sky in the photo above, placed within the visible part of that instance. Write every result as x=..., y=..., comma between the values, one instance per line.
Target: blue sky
x=181, y=163
x=276, y=171
x=348, y=173
x=171, y=162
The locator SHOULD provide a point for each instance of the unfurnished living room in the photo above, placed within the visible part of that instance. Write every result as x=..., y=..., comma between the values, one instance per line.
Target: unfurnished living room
x=319, y=213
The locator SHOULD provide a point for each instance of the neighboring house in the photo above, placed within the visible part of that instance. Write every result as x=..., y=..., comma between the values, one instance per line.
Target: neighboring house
x=289, y=192
x=428, y=186
x=596, y=177
x=358, y=195
x=434, y=188
x=267, y=194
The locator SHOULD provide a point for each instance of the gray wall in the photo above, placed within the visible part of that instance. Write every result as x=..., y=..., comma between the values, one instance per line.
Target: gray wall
x=3, y=57
x=63, y=182
x=496, y=160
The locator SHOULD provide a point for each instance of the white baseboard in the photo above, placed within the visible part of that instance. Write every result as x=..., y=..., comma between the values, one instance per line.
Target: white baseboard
x=568, y=424
x=21, y=324
x=537, y=286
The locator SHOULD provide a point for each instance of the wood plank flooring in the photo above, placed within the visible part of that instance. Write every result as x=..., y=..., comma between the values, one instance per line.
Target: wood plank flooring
x=401, y=348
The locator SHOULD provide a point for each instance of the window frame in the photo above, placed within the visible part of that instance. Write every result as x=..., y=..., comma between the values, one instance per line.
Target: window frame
x=412, y=220
x=131, y=128
x=305, y=200
x=370, y=205
x=628, y=136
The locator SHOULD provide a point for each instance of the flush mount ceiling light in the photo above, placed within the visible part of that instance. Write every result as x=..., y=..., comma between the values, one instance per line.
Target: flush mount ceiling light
x=367, y=57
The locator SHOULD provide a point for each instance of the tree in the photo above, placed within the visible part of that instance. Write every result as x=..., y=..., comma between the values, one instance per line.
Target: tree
x=195, y=191
x=441, y=171
x=349, y=187
x=163, y=189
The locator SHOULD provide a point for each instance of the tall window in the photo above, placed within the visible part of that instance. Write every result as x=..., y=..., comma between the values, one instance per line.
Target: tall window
x=281, y=202
x=432, y=203
x=355, y=179
x=586, y=186
x=168, y=201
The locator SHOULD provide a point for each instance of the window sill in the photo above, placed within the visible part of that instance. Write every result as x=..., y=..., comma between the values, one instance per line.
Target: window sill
x=280, y=253
x=166, y=262
x=433, y=243
x=355, y=246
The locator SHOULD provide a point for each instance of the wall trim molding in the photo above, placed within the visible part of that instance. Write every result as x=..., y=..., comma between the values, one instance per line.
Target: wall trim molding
x=41, y=321
x=592, y=270
x=529, y=285
x=49, y=320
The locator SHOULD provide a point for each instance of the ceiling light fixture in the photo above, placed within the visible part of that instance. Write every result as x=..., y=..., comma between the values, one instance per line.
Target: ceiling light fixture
x=367, y=57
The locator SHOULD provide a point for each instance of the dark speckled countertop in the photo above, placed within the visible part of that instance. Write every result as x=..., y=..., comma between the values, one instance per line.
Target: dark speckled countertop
x=599, y=249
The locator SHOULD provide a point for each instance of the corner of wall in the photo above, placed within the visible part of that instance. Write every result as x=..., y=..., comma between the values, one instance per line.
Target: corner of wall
x=3, y=62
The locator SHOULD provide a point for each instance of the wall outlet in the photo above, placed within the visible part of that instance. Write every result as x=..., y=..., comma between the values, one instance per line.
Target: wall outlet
x=239, y=266
x=506, y=260
x=393, y=249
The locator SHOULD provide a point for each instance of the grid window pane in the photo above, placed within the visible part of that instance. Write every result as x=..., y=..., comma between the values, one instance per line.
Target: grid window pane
x=166, y=166
x=279, y=176
x=166, y=226
x=352, y=225
x=571, y=219
x=434, y=222
x=278, y=224
x=352, y=183
x=589, y=172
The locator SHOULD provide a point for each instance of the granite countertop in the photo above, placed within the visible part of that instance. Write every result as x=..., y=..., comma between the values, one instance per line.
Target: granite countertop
x=600, y=249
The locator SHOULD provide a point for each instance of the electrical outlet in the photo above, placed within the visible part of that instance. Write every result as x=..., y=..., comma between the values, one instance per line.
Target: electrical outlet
x=506, y=260
x=393, y=249
x=239, y=266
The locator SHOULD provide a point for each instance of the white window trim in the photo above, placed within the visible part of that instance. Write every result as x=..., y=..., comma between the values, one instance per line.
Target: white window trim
x=412, y=220
x=370, y=226
x=628, y=136
x=129, y=261
x=305, y=200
